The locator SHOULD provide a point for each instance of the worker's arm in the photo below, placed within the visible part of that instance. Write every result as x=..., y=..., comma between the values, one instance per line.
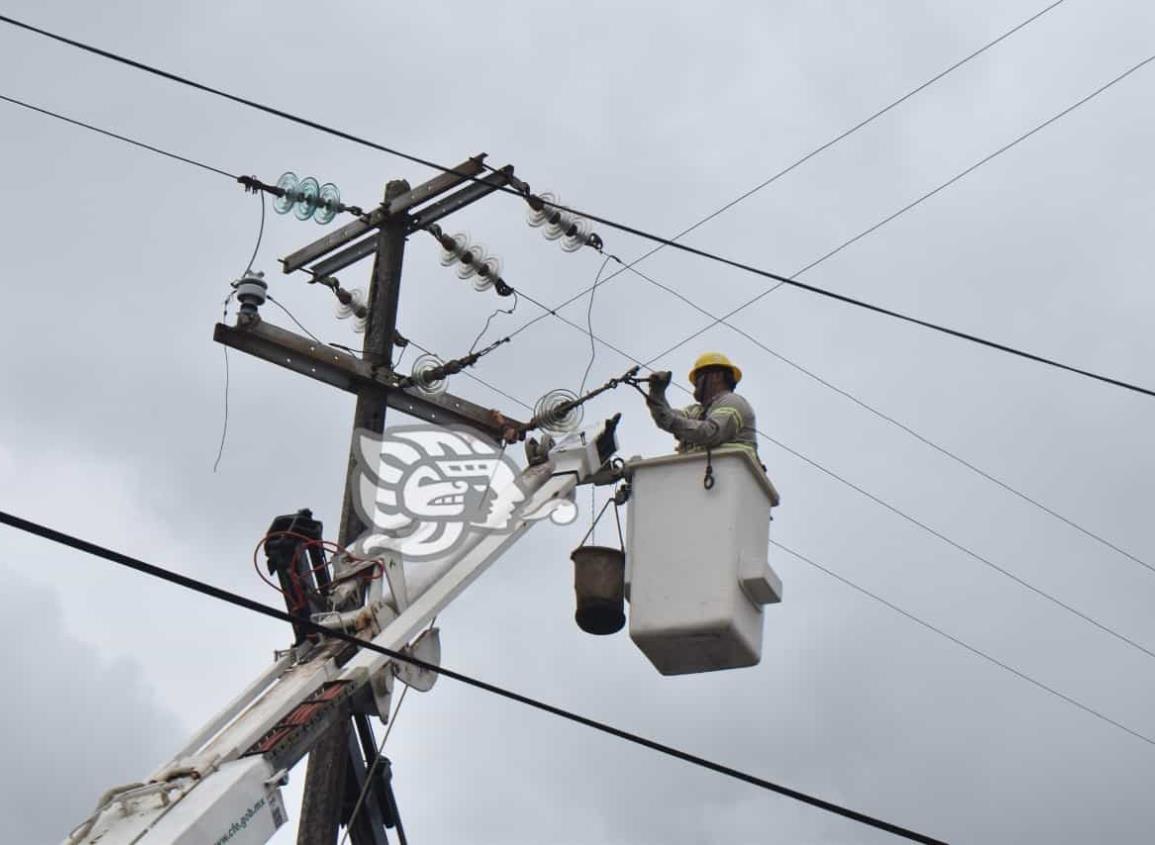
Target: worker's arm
x=720, y=426
x=664, y=416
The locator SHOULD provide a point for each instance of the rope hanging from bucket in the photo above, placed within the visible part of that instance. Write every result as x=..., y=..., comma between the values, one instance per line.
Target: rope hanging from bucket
x=595, y=522
x=708, y=479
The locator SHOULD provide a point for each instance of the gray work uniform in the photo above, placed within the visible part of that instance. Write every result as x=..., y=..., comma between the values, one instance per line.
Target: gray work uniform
x=727, y=421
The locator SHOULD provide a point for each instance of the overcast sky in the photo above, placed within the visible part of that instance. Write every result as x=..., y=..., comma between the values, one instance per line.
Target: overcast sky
x=116, y=262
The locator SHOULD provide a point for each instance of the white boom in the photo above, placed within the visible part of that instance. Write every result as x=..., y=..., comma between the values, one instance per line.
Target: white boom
x=224, y=785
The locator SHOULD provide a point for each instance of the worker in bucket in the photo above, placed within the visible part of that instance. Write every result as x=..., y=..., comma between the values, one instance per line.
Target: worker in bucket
x=720, y=417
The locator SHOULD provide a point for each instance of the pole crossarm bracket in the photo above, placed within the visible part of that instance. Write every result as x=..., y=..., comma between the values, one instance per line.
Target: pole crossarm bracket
x=352, y=374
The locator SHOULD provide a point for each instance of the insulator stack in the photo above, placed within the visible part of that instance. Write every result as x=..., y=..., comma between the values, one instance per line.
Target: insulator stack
x=476, y=265
x=572, y=230
x=307, y=198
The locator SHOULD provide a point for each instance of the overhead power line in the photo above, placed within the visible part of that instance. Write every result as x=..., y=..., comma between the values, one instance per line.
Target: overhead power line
x=220, y=594
x=914, y=204
x=829, y=294
x=141, y=144
x=842, y=136
x=978, y=652
x=907, y=429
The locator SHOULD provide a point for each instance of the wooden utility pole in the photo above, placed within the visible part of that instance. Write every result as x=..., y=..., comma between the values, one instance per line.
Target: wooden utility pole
x=343, y=752
x=325, y=776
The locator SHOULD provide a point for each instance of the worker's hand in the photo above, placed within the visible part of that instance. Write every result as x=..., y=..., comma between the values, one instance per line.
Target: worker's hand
x=657, y=382
x=660, y=379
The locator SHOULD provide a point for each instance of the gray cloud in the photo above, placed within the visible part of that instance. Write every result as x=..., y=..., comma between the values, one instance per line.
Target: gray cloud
x=653, y=113
x=77, y=723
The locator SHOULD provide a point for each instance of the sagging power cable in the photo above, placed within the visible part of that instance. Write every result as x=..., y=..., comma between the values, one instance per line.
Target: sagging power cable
x=212, y=591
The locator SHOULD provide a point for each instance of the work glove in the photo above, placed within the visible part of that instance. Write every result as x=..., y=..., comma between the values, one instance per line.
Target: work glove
x=658, y=382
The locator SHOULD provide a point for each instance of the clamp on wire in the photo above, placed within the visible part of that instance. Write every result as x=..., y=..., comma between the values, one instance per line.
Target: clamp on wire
x=254, y=185
x=429, y=377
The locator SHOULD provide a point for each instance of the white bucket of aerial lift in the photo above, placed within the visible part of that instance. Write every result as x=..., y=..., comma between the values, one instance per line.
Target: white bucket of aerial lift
x=697, y=574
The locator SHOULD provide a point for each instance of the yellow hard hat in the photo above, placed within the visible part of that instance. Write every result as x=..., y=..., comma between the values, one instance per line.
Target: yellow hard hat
x=715, y=359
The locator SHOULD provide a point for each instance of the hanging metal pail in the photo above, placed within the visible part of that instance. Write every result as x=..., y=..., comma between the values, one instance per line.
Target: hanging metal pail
x=599, y=580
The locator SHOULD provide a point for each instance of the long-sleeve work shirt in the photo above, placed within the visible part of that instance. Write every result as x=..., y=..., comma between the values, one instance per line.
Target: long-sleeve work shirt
x=727, y=421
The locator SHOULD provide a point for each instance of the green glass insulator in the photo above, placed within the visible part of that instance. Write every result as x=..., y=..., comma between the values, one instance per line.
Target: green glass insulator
x=308, y=192
x=287, y=183
x=328, y=200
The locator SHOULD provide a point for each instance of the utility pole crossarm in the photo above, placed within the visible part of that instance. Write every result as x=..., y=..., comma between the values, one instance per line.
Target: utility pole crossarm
x=340, y=369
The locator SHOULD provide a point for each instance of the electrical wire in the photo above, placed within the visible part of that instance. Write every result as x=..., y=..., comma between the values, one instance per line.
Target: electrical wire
x=641, y=233
x=914, y=204
x=1018, y=674
x=225, y=312
x=489, y=320
x=479, y=380
x=298, y=323
x=890, y=419
x=260, y=235
x=118, y=137
x=376, y=760
x=590, y=323
x=842, y=136
x=212, y=591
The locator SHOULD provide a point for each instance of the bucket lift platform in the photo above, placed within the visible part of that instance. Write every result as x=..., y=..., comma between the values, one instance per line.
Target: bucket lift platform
x=697, y=570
